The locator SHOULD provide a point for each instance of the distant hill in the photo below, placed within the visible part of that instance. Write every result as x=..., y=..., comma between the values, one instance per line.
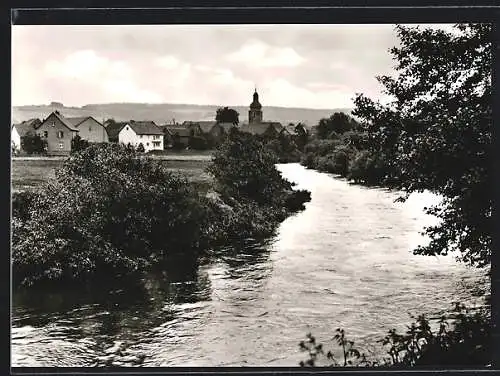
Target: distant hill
x=165, y=113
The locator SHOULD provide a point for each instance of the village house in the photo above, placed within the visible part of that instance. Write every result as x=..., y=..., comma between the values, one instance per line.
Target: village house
x=209, y=130
x=146, y=133
x=180, y=135
x=22, y=129
x=58, y=132
x=89, y=129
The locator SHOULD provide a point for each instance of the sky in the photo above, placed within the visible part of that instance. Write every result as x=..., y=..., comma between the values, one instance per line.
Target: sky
x=308, y=66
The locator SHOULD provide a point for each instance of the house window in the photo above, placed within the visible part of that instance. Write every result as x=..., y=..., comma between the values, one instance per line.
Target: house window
x=90, y=128
x=156, y=143
x=61, y=145
x=45, y=134
x=147, y=143
x=60, y=134
x=141, y=135
x=53, y=123
x=156, y=137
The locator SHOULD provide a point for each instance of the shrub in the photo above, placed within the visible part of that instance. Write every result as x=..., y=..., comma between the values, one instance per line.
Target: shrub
x=252, y=195
x=367, y=168
x=462, y=338
x=244, y=169
x=78, y=144
x=32, y=143
x=140, y=148
x=107, y=212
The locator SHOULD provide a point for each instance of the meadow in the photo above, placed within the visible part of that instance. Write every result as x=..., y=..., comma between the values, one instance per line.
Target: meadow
x=28, y=173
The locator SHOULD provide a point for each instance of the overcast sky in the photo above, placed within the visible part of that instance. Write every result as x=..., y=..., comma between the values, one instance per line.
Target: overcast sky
x=313, y=66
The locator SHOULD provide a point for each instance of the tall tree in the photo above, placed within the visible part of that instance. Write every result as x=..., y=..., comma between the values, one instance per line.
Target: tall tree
x=339, y=123
x=227, y=115
x=437, y=131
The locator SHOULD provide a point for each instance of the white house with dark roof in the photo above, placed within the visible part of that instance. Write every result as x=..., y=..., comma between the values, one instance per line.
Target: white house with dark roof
x=89, y=129
x=146, y=133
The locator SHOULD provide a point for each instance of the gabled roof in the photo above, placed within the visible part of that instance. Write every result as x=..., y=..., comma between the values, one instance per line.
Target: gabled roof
x=205, y=125
x=62, y=119
x=145, y=127
x=114, y=128
x=76, y=121
x=256, y=128
x=227, y=126
x=181, y=131
x=24, y=127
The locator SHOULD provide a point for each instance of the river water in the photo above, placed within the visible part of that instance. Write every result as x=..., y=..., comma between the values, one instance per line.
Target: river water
x=345, y=262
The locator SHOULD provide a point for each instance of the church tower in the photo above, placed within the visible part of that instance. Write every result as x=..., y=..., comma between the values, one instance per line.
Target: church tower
x=255, y=113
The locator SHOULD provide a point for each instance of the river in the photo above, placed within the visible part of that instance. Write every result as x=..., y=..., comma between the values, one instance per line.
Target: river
x=345, y=262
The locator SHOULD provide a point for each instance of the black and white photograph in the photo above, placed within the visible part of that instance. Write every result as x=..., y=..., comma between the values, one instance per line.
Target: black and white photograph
x=251, y=195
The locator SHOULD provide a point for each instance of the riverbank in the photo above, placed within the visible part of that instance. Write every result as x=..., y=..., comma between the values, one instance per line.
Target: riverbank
x=345, y=261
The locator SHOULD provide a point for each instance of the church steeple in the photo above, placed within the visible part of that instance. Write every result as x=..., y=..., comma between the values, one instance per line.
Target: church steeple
x=255, y=113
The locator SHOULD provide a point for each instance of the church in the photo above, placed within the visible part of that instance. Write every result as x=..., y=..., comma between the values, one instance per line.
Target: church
x=256, y=124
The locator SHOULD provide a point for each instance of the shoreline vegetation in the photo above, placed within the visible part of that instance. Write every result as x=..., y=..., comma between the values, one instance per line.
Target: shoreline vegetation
x=440, y=143
x=110, y=212
x=434, y=135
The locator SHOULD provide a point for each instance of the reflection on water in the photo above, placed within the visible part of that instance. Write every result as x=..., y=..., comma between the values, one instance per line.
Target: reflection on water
x=343, y=262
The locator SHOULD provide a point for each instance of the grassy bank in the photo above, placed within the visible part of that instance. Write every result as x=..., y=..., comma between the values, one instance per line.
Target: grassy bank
x=28, y=173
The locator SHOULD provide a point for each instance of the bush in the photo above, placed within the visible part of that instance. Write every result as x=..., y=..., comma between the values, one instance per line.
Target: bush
x=462, y=338
x=78, y=144
x=32, y=143
x=322, y=147
x=252, y=195
x=367, y=168
x=244, y=169
x=140, y=148
x=107, y=212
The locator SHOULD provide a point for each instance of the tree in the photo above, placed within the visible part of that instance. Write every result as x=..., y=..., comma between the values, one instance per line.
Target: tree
x=32, y=143
x=244, y=170
x=437, y=132
x=338, y=123
x=227, y=115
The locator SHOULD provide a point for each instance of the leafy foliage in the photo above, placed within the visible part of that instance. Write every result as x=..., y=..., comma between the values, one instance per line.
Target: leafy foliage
x=227, y=115
x=140, y=148
x=436, y=134
x=461, y=338
x=78, y=144
x=32, y=143
x=245, y=174
x=107, y=212
x=338, y=123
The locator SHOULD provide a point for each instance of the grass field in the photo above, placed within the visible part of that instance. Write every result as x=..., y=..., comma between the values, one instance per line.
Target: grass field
x=28, y=173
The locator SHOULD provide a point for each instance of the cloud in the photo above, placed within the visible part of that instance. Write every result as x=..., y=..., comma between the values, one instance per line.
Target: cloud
x=256, y=53
x=279, y=92
x=168, y=62
x=110, y=79
x=292, y=65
